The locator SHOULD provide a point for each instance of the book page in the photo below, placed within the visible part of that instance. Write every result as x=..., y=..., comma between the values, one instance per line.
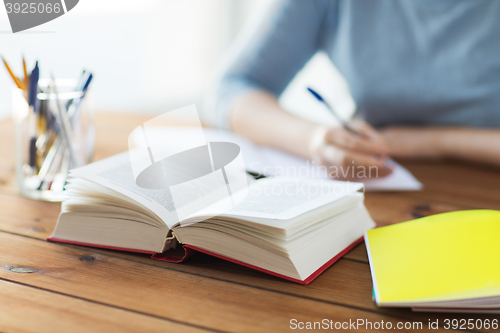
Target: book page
x=116, y=173
x=285, y=198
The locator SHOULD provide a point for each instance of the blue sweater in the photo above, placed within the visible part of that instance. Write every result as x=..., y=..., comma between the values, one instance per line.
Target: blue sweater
x=407, y=62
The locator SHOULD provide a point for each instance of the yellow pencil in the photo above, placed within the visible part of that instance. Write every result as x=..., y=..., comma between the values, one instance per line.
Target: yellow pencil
x=15, y=78
x=26, y=76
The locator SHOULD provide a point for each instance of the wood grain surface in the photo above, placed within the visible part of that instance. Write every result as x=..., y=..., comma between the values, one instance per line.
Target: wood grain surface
x=60, y=288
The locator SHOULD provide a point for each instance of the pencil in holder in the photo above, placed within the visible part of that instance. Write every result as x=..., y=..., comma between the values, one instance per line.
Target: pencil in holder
x=54, y=133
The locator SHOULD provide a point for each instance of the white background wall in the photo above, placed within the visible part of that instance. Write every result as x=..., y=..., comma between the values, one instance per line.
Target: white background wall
x=151, y=56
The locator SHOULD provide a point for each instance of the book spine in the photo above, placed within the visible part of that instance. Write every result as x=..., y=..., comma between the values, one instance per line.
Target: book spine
x=170, y=242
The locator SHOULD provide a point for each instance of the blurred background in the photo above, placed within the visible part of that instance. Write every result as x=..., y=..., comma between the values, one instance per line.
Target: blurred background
x=152, y=56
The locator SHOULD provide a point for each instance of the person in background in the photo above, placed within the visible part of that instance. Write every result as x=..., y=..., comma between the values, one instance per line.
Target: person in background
x=425, y=73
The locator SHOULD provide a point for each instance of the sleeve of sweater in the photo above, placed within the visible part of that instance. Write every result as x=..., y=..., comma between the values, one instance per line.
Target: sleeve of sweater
x=268, y=56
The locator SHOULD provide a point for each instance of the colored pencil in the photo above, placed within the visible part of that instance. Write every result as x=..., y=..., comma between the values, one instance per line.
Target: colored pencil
x=15, y=78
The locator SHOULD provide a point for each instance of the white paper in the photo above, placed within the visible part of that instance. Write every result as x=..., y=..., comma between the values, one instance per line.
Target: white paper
x=279, y=198
x=273, y=162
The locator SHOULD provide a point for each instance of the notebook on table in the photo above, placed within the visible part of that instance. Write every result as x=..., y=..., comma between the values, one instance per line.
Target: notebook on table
x=294, y=235
x=445, y=262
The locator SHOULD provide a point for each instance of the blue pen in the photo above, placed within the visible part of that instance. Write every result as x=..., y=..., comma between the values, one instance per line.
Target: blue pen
x=73, y=109
x=86, y=84
x=388, y=163
x=32, y=99
x=342, y=121
x=72, y=105
x=82, y=86
x=33, y=89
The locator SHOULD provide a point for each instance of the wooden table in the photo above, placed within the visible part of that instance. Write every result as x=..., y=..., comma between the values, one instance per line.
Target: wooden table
x=55, y=287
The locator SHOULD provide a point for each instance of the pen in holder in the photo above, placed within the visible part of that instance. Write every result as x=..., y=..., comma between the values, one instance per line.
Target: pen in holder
x=54, y=133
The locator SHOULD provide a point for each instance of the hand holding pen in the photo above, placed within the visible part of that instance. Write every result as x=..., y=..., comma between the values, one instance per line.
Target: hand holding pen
x=352, y=151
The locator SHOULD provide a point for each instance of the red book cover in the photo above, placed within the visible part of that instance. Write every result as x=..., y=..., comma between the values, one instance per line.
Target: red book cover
x=190, y=250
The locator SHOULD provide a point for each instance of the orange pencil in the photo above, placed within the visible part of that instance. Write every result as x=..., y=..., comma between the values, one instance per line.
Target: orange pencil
x=15, y=78
x=26, y=76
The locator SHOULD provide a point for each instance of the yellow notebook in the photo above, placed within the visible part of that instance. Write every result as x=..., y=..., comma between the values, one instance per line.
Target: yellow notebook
x=448, y=261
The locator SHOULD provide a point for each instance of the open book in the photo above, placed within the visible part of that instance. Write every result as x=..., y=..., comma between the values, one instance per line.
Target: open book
x=290, y=228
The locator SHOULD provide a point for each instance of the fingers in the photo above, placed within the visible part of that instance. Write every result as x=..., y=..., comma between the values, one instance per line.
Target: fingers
x=364, y=128
x=367, y=166
x=368, y=142
x=345, y=164
x=351, y=156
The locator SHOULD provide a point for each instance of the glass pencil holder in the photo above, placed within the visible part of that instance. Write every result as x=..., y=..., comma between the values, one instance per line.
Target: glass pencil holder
x=53, y=136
